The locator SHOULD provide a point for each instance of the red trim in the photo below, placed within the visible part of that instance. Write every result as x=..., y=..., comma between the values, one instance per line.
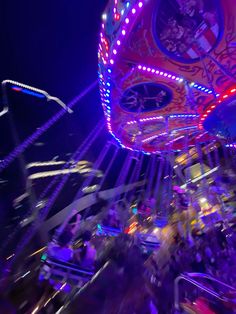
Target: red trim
x=227, y=94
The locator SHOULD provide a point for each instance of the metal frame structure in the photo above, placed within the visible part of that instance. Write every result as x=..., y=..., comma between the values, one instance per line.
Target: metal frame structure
x=189, y=278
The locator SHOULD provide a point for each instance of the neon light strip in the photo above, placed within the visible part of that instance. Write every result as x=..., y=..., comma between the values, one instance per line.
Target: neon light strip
x=146, y=120
x=26, y=91
x=173, y=77
x=152, y=137
x=184, y=128
x=231, y=145
x=183, y=116
x=176, y=139
x=105, y=90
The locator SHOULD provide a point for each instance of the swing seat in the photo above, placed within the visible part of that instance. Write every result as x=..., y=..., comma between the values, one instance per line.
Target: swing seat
x=58, y=271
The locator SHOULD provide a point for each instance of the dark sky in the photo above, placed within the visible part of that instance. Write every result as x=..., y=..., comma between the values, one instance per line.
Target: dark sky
x=51, y=45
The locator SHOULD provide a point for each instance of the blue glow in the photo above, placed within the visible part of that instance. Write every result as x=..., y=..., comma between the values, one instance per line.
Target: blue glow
x=27, y=91
x=135, y=210
x=44, y=257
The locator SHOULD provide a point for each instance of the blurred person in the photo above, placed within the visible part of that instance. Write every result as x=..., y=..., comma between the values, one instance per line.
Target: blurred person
x=86, y=255
x=67, y=231
x=111, y=218
x=198, y=264
x=61, y=246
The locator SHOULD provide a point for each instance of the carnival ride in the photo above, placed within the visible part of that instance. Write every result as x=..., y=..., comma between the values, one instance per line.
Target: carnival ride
x=167, y=87
x=167, y=74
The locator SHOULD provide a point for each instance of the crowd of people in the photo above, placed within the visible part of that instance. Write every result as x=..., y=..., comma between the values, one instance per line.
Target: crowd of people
x=212, y=253
x=62, y=246
x=210, y=250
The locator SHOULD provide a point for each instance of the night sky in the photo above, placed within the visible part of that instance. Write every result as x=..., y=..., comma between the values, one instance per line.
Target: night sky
x=51, y=45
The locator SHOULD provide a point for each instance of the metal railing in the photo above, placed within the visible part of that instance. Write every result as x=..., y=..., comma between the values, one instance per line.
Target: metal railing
x=33, y=90
x=188, y=277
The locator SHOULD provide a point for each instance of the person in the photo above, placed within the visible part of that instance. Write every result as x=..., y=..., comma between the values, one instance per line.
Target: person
x=111, y=219
x=86, y=255
x=60, y=250
x=61, y=246
x=68, y=231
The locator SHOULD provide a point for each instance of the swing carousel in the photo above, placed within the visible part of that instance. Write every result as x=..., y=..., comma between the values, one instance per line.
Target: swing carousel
x=167, y=82
x=167, y=73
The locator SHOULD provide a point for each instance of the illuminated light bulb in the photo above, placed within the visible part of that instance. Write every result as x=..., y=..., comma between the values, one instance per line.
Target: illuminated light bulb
x=133, y=11
x=161, y=73
x=205, y=115
x=181, y=80
x=144, y=68
x=104, y=17
x=140, y=4
x=213, y=106
x=122, y=12
x=114, y=51
x=169, y=75
x=127, y=21
x=217, y=95
x=208, y=111
x=118, y=42
x=165, y=74
x=157, y=72
x=177, y=79
x=153, y=70
x=225, y=96
x=117, y=17
x=103, y=26
x=127, y=4
x=111, y=61
x=148, y=69
x=139, y=67
x=123, y=32
x=233, y=90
